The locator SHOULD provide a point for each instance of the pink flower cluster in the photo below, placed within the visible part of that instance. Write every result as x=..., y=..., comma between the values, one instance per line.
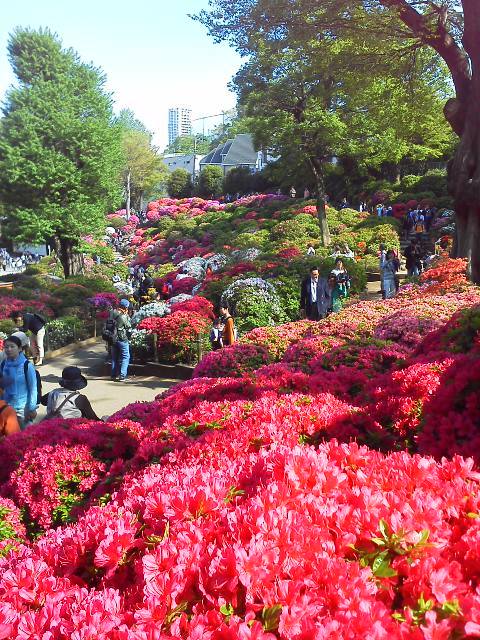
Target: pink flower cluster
x=242, y=508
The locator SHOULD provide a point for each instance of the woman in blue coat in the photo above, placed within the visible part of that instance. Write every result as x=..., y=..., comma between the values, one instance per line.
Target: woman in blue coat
x=19, y=384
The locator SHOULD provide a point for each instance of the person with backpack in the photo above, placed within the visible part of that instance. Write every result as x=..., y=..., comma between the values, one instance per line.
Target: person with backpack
x=34, y=323
x=66, y=401
x=20, y=382
x=116, y=333
x=216, y=334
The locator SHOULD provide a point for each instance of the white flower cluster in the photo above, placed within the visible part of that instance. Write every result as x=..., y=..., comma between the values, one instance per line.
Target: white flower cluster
x=261, y=290
x=246, y=255
x=182, y=297
x=193, y=268
x=217, y=261
x=141, y=343
x=157, y=309
x=123, y=288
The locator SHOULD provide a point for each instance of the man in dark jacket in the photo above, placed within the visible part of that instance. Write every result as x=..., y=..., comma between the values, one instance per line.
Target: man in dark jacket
x=315, y=296
x=34, y=323
x=413, y=255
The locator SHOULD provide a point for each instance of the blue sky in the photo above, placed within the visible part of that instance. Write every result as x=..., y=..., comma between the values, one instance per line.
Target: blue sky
x=153, y=54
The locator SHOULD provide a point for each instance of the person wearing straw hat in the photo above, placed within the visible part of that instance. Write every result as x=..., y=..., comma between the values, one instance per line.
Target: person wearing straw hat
x=66, y=401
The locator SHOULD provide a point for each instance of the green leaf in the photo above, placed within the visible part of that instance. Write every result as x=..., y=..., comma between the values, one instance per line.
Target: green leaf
x=383, y=526
x=383, y=569
x=271, y=617
x=227, y=610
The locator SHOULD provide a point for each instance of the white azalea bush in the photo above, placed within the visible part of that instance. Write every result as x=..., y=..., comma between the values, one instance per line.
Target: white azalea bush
x=141, y=344
x=217, y=261
x=193, y=268
x=246, y=255
x=254, y=302
x=182, y=297
x=154, y=309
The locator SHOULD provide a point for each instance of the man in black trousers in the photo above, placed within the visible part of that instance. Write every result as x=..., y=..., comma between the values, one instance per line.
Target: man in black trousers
x=315, y=297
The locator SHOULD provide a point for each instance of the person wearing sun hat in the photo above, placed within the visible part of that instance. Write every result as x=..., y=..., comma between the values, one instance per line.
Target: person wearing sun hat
x=66, y=401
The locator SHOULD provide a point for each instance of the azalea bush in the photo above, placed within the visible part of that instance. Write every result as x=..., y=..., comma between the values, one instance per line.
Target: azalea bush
x=178, y=334
x=254, y=302
x=66, y=330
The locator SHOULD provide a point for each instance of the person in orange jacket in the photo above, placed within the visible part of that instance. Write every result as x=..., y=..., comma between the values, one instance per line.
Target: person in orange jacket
x=229, y=333
x=8, y=420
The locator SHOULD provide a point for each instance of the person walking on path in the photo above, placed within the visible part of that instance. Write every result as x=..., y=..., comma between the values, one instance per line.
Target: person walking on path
x=18, y=380
x=228, y=334
x=413, y=255
x=389, y=267
x=121, y=344
x=8, y=420
x=315, y=296
x=66, y=401
x=293, y=192
x=34, y=323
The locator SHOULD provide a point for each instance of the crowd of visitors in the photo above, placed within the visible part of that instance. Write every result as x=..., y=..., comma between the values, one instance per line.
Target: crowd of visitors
x=14, y=263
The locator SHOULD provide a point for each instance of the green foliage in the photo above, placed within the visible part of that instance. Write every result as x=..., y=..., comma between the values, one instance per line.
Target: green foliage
x=143, y=168
x=210, y=181
x=71, y=497
x=179, y=184
x=92, y=284
x=252, y=310
x=65, y=330
x=59, y=152
x=7, y=326
x=239, y=180
x=434, y=181
x=189, y=144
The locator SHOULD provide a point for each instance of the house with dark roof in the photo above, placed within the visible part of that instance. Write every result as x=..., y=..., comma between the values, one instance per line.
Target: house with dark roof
x=238, y=152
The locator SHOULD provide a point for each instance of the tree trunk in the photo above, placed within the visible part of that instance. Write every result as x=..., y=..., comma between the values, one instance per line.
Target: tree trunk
x=317, y=165
x=128, y=190
x=464, y=184
x=71, y=260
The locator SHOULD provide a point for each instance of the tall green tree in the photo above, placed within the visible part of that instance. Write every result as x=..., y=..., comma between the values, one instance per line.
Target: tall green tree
x=310, y=107
x=179, y=184
x=142, y=167
x=197, y=143
x=450, y=28
x=210, y=181
x=59, y=151
x=128, y=121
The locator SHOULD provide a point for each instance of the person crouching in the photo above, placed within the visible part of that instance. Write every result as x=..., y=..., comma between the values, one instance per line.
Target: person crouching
x=67, y=402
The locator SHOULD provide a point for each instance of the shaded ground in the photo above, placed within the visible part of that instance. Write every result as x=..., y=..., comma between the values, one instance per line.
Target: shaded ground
x=106, y=396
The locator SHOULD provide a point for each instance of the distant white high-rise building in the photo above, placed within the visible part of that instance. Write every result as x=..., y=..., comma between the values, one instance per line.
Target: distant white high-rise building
x=179, y=123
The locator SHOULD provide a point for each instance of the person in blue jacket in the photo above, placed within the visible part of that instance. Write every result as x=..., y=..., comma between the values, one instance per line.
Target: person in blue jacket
x=19, y=387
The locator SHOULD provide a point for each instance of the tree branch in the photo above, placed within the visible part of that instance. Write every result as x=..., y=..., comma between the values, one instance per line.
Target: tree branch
x=441, y=40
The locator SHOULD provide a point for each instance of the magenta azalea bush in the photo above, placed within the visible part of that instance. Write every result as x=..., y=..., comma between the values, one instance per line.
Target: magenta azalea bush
x=315, y=480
